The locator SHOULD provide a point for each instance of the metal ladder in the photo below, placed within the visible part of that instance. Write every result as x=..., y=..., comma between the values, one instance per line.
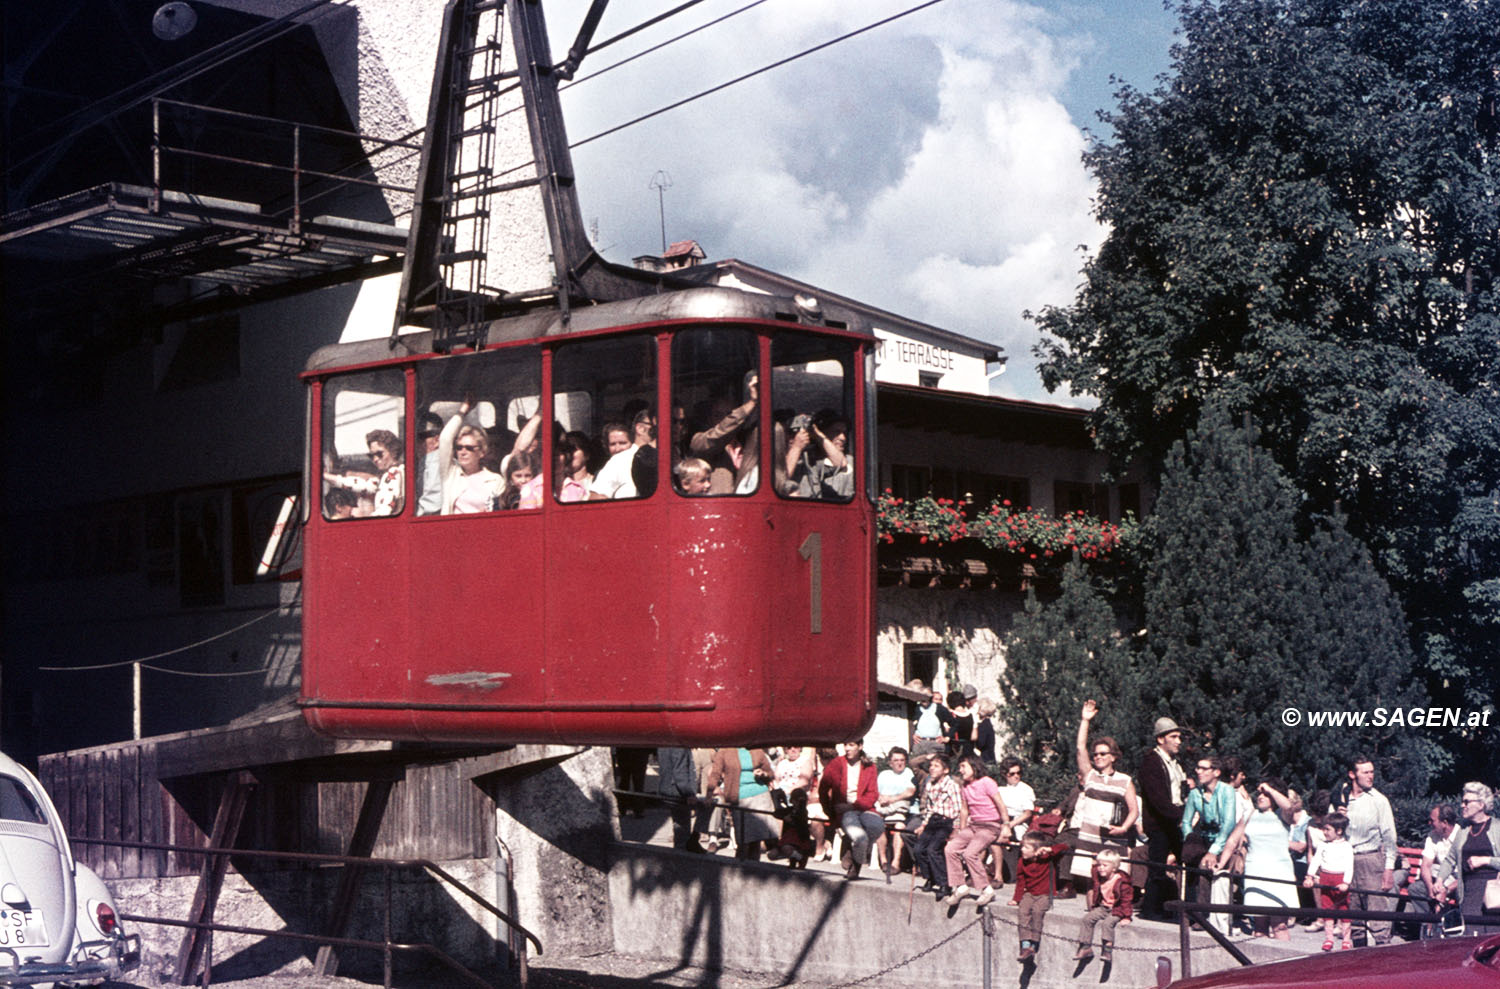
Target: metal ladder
x=476, y=82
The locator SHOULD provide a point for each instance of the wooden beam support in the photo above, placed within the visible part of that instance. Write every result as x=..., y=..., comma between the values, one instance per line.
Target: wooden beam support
x=227, y=821
x=361, y=845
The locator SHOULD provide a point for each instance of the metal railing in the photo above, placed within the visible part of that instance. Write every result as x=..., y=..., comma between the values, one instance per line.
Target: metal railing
x=387, y=945
x=1188, y=911
x=303, y=183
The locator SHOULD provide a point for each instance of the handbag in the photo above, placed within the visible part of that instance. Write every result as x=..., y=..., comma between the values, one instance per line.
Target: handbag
x=1492, y=895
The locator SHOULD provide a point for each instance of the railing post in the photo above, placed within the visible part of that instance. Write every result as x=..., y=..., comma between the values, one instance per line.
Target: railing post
x=1184, y=926
x=296, y=178
x=387, y=873
x=987, y=928
x=155, y=157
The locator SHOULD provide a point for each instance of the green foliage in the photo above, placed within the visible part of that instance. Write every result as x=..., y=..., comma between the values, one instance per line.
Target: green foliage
x=1057, y=656
x=1247, y=619
x=1303, y=224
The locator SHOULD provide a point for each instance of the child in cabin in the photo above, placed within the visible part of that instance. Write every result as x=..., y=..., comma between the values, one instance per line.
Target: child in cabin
x=1332, y=866
x=1109, y=902
x=1034, y=890
x=692, y=476
x=519, y=471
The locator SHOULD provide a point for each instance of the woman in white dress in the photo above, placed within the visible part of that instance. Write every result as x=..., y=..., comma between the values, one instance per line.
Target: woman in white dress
x=1270, y=877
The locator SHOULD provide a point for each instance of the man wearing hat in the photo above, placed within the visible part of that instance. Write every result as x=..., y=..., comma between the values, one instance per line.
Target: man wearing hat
x=1162, y=783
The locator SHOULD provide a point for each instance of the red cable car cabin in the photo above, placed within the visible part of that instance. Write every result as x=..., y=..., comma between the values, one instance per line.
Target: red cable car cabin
x=715, y=588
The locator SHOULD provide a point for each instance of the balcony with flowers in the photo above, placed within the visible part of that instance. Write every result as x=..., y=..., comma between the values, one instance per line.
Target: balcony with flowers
x=954, y=543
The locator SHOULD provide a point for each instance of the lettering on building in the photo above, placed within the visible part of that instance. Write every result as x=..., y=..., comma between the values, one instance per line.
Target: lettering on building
x=914, y=352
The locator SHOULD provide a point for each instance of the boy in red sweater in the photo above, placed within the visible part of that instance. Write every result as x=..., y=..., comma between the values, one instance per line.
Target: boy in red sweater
x=1109, y=903
x=1034, y=890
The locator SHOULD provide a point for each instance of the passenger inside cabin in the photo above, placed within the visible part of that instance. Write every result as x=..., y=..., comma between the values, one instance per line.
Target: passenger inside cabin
x=566, y=486
x=816, y=461
x=730, y=445
x=387, y=453
x=615, y=480
x=692, y=476
x=468, y=486
x=430, y=492
x=586, y=458
x=528, y=440
x=616, y=439
x=679, y=447
x=339, y=504
x=521, y=469
x=386, y=488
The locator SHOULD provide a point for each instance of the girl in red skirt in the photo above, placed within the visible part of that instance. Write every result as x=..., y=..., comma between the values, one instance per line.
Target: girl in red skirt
x=1331, y=869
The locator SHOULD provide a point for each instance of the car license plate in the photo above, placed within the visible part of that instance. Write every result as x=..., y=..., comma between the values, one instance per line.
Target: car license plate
x=22, y=928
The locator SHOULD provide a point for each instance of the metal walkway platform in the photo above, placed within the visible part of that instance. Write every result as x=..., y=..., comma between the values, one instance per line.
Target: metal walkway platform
x=156, y=234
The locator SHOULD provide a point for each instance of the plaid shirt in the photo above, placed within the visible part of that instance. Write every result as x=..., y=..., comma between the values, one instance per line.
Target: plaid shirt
x=942, y=797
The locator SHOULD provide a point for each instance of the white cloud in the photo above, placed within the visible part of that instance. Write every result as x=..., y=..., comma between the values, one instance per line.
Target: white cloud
x=928, y=167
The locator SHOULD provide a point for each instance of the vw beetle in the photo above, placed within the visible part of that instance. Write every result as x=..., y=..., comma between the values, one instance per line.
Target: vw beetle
x=58, y=923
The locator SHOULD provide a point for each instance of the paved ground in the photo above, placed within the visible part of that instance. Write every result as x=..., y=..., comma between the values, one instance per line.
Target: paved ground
x=595, y=972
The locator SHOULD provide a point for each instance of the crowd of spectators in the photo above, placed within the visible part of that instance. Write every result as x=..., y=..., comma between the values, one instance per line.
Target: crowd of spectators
x=965, y=830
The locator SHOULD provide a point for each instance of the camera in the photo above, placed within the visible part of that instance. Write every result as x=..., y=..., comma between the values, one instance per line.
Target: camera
x=801, y=422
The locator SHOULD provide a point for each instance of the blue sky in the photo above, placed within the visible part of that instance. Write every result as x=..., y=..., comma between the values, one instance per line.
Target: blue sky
x=929, y=166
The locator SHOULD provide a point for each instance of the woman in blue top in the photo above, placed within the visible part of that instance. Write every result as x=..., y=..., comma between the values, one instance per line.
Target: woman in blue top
x=740, y=778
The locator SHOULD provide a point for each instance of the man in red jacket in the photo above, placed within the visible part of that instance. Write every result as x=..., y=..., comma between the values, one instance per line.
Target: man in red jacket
x=848, y=793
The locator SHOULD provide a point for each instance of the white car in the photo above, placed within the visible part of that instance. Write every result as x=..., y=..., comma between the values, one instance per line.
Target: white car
x=57, y=919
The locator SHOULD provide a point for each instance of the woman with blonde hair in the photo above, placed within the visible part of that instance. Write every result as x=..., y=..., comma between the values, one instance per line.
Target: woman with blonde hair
x=1473, y=860
x=468, y=486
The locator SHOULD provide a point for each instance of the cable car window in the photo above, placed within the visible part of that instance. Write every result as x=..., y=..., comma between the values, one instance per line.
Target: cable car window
x=715, y=412
x=607, y=388
x=479, y=421
x=812, y=395
x=364, y=454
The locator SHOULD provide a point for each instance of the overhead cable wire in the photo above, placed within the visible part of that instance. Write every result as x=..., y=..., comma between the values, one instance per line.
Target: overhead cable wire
x=642, y=26
x=171, y=652
x=192, y=673
x=657, y=48
x=752, y=74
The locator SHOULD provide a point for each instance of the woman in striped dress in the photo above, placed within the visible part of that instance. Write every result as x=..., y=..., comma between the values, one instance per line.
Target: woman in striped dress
x=1108, y=797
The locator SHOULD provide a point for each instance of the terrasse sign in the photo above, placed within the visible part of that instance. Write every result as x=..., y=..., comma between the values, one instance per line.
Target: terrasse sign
x=909, y=360
x=922, y=355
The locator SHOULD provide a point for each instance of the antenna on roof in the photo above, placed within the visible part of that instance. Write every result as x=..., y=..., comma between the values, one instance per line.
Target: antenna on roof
x=661, y=182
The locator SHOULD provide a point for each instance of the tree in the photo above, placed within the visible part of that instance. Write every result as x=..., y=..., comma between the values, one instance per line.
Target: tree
x=1057, y=656
x=1303, y=226
x=1252, y=626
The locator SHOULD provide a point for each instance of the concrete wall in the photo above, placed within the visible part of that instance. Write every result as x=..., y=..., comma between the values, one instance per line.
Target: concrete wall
x=422, y=911
x=558, y=824
x=680, y=908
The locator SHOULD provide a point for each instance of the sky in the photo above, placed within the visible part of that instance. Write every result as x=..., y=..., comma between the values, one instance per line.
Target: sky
x=931, y=166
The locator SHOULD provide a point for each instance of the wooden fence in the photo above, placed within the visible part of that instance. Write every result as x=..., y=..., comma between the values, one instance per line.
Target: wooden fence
x=437, y=810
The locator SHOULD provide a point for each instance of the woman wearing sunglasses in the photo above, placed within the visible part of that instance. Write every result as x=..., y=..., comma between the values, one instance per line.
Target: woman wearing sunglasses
x=468, y=486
